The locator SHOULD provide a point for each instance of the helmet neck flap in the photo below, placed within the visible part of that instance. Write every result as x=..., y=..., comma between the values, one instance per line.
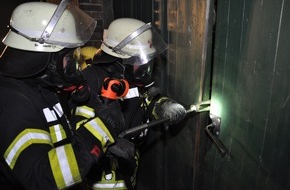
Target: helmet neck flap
x=21, y=64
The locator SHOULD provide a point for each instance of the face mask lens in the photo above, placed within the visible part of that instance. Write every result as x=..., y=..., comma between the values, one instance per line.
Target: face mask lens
x=70, y=65
x=142, y=74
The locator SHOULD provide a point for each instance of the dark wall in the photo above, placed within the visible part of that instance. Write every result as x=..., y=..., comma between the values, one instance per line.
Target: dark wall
x=251, y=82
x=102, y=12
x=140, y=9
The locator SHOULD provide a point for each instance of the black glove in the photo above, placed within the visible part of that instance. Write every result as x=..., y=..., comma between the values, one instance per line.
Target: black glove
x=111, y=114
x=167, y=108
x=125, y=153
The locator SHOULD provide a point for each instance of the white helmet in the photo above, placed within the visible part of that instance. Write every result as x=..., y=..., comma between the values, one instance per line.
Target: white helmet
x=128, y=38
x=46, y=27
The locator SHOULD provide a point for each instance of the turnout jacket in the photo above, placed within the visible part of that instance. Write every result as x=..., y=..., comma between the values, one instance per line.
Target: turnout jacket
x=135, y=109
x=38, y=150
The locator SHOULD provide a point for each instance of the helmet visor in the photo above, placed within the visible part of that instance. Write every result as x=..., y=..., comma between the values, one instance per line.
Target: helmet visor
x=74, y=28
x=142, y=46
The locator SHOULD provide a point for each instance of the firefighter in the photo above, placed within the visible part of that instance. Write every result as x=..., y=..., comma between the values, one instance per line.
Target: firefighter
x=127, y=52
x=40, y=146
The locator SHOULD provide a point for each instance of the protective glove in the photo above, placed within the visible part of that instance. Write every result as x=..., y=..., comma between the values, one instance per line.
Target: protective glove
x=122, y=148
x=126, y=155
x=165, y=107
x=111, y=114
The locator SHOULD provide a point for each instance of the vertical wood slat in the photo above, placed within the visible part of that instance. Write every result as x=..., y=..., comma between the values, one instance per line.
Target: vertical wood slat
x=251, y=75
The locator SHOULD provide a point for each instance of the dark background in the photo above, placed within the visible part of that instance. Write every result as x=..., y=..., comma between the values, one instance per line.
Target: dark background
x=236, y=53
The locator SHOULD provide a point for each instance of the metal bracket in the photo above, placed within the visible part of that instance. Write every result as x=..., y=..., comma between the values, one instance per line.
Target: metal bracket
x=200, y=107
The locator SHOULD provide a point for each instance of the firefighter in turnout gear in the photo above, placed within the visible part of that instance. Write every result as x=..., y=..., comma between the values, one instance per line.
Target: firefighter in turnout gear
x=43, y=145
x=126, y=54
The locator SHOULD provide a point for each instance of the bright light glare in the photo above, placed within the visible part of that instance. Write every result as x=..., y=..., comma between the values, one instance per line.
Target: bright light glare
x=44, y=22
x=215, y=108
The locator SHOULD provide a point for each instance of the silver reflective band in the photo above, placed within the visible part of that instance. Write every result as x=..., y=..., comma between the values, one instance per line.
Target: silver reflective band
x=109, y=176
x=85, y=112
x=132, y=93
x=64, y=166
x=53, y=21
x=50, y=115
x=99, y=129
x=117, y=184
x=58, y=109
x=131, y=37
x=56, y=133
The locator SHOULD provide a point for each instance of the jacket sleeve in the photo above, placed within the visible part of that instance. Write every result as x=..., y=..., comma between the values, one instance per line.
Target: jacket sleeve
x=29, y=156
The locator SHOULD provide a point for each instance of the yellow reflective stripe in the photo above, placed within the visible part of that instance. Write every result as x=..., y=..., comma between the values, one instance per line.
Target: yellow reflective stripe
x=26, y=138
x=79, y=124
x=57, y=133
x=64, y=166
x=85, y=111
x=133, y=177
x=147, y=101
x=162, y=98
x=99, y=130
x=154, y=109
